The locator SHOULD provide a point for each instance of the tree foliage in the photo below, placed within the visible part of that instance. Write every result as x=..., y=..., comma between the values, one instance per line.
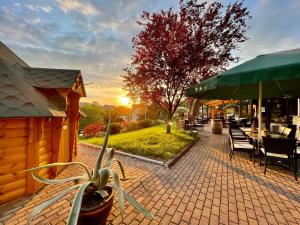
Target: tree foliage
x=94, y=114
x=175, y=50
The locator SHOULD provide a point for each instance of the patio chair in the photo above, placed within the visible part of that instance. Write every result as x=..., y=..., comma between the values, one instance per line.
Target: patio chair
x=280, y=148
x=188, y=125
x=237, y=135
x=241, y=146
x=286, y=132
x=198, y=123
x=293, y=128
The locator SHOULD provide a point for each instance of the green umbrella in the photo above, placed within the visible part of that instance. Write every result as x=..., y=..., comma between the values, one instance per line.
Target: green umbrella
x=266, y=76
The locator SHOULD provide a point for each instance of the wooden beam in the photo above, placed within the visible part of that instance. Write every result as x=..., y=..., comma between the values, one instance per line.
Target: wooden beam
x=56, y=137
x=32, y=153
x=73, y=125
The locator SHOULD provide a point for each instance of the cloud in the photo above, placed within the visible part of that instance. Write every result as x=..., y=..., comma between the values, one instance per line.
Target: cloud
x=37, y=8
x=86, y=8
x=95, y=36
x=272, y=28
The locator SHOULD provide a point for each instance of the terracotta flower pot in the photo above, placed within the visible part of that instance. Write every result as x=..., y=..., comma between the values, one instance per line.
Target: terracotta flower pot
x=97, y=212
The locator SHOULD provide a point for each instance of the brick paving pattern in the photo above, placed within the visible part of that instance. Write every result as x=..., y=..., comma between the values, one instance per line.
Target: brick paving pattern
x=204, y=187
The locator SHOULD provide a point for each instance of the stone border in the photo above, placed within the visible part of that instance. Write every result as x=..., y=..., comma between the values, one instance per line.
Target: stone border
x=173, y=161
x=141, y=158
x=166, y=164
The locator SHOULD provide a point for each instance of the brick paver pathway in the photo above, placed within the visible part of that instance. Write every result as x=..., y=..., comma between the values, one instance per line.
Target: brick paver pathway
x=204, y=187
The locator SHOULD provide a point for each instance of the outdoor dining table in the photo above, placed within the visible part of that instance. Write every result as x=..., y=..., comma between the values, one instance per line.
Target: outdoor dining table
x=245, y=129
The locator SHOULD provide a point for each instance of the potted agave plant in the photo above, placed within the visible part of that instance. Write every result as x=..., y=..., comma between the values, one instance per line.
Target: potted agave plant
x=95, y=189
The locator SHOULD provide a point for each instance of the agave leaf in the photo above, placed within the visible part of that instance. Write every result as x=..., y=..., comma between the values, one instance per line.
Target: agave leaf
x=103, y=193
x=135, y=177
x=110, y=153
x=104, y=176
x=108, y=164
x=62, y=164
x=118, y=187
x=44, y=205
x=73, y=216
x=101, y=153
x=56, y=181
x=137, y=205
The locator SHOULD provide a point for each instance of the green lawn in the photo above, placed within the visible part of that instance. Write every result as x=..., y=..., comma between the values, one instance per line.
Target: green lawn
x=151, y=142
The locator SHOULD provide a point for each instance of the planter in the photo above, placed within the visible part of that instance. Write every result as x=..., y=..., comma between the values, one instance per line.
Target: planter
x=94, y=211
x=216, y=126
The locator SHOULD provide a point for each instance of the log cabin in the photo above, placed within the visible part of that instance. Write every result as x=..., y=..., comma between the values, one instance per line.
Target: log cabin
x=39, y=113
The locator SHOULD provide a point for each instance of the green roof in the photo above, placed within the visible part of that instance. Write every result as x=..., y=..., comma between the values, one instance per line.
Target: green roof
x=31, y=92
x=19, y=99
x=52, y=78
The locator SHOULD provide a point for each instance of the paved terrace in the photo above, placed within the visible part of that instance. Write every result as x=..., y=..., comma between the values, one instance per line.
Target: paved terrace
x=204, y=187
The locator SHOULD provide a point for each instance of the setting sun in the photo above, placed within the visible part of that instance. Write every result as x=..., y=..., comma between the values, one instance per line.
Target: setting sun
x=125, y=101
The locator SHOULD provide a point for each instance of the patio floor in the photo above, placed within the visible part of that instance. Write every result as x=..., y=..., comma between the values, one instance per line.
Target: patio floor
x=204, y=187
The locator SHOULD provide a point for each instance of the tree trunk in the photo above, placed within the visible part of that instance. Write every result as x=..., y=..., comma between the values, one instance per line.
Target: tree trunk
x=168, y=128
x=169, y=124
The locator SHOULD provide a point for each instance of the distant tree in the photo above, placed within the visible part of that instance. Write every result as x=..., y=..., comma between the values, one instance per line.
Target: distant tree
x=178, y=49
x=94, y=114
x=116, y=113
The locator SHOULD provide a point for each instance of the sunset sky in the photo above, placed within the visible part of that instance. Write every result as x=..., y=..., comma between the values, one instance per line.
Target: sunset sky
x=95, y=36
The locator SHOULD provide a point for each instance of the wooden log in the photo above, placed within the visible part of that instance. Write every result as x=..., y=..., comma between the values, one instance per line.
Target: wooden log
x=56, y=139
x=9, y=142
x=13, y=150
x=8, y=187
x=11, y=177
x=46, y=157
x=12, y=195
x=13, y=132
x=46, y=173
x=13, y=123
x=12, y=168
x=11, y=158
x=32, y=153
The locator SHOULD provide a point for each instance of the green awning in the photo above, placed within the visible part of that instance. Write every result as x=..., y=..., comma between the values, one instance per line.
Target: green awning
x=279, y=73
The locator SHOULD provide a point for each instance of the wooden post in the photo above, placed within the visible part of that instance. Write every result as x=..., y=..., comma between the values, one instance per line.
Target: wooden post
x=32, y=153
x=56, y=137
x=260, y=90
x=207, y=113
x=73, y=125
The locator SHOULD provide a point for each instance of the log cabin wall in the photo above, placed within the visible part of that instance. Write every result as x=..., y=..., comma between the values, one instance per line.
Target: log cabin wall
x=45, y=145
x=14, y=135
x=27, y=143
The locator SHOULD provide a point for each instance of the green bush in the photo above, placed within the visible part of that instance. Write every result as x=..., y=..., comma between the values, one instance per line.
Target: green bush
x=144, y=123
x=157, y=122
x=131, y=126
x=115, y=128
x=190, y=133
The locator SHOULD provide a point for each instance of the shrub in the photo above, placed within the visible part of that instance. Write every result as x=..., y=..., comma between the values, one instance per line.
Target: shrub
x=144, y=123
x=190, y=133
x=92, y=130
x=157, y=122
x=131, y=126
x=115, y=128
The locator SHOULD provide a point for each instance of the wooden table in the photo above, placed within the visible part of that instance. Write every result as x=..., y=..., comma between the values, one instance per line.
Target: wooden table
x=245, y=129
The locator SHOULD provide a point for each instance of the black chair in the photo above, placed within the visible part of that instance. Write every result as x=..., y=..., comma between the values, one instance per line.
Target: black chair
x=237, y=135
x=188, y=125
x=198, y=123
x=281, y=148
x=241, y=146
x=292, y=134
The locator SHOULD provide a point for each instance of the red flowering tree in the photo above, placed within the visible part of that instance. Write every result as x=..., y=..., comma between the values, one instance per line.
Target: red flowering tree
x=92, y=129
x=175, y=50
